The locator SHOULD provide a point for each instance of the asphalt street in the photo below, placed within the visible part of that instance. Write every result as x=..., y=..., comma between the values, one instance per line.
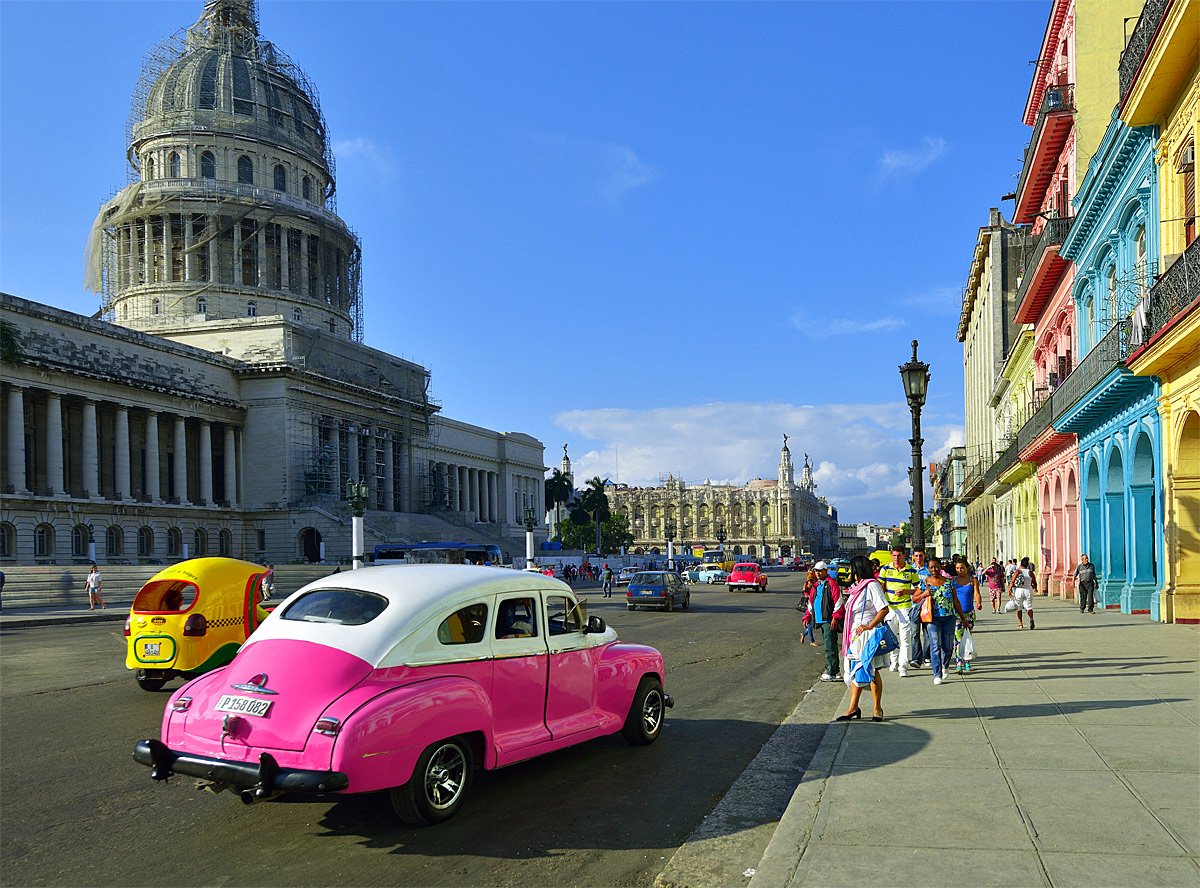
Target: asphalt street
x=78, y=811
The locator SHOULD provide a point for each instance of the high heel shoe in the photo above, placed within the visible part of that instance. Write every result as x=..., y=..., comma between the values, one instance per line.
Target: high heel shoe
x=876, y=718
x=857, y=713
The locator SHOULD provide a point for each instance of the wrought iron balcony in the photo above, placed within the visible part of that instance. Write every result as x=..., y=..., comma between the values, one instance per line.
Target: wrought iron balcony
x=1004, y=461
x=1139, y=44
x=1175, y=289
x=1051, y=127
x=1108, y=354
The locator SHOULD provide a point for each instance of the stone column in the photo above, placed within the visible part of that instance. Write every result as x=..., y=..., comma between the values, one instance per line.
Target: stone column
x=389, y=473
x=90, y=451
x=230, y=466
x=166, y=247
x=262, y=254
x=180, y=475
x=352, y=453
x=206, y=479
x=16, y=438
x=148, y=249
x=303, y=262
x=237, y=252
x=189, y=238
x=472, y=492
x=491, y=489
x=463, y=489
x=121, y=486
x=284, y=277
x=153, y=490
x=336, y=471
x=54, y=444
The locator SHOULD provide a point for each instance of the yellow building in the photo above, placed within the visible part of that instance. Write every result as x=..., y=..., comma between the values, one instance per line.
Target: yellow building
x=1160, y=87
x=1013, y=483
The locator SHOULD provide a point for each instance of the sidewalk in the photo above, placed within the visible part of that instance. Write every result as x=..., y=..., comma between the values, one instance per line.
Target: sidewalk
x=1070, y=755
x=24, y=617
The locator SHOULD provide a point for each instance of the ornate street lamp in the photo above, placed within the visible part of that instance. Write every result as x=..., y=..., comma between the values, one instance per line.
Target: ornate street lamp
x=915, y=376
x=720, y=534
x=530, y=524
x=356, y=496
x=669, y=534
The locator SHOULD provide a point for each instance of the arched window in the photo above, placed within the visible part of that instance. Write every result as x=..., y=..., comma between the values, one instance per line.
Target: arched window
x=1139, y=260
x=145, y=542
x=201, y=305
x=149, y=168
x=208, y=165
x=79, y=541
x=245, y=170
x=43, y=541
x=174, y=541
x=114, y=541
x=8, y=540
x=155, y=307
x=225, y=544
x=243, y=92
x=208, y=83
x=280, y=178
x=200, y=543
x=296, y=315
x=306, y=188
x=1112, y=293
x=251, y=309
x=173, y=165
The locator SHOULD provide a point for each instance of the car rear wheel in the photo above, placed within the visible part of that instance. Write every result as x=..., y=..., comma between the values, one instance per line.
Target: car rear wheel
x=645, y=719
x=670, y=605
x=150, y=679
x=687, y=601
x=439, y=784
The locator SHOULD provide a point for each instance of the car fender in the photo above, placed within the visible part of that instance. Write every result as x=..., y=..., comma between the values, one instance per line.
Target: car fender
x=383, y=733
x=619, y=670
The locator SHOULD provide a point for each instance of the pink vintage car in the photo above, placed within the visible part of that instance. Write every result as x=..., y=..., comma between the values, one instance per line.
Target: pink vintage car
x=408, y=678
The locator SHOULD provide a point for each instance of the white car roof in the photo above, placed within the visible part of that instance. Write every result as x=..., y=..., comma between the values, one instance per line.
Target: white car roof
x=415, y=594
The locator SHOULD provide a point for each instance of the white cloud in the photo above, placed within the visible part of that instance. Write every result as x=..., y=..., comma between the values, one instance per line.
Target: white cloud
x=860, y=452
x=843, y=326
x=897, y=162
x=622, y=171
x=378, y=158
x=935, y=300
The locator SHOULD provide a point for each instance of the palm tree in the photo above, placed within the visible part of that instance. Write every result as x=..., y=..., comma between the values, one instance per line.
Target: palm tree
x=558, y=489
x=593, y=506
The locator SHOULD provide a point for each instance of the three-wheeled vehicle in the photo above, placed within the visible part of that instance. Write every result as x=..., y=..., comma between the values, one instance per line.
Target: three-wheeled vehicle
x=192, y=617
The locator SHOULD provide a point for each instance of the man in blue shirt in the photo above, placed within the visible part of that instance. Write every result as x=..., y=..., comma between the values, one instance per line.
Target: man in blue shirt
x=826, y=599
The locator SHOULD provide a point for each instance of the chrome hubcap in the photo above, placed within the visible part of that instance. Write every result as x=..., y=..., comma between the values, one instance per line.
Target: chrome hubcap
x=445, y=776
x=652, y=713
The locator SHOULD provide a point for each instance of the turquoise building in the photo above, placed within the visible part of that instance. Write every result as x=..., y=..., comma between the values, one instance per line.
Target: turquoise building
x=1115, y=413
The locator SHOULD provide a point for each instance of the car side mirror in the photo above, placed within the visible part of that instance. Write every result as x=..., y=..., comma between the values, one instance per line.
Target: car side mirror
x=595, y=624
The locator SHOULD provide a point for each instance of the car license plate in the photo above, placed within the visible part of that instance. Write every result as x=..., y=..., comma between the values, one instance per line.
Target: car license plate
x=243, y=705
x=151, y=648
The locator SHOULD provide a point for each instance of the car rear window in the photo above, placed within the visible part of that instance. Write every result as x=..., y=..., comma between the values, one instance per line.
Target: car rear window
x=345, y=607
x=165, y=596
x=648, y=579
x=745, y=566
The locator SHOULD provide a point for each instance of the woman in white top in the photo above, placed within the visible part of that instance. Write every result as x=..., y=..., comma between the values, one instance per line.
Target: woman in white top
x=93, y=585
x=865, y=609
x=1021, y=589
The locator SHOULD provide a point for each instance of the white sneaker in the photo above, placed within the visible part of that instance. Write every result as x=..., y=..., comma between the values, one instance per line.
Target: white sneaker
x=903, y=672
x=825, y=676
x=891, y=667
x=937, y=679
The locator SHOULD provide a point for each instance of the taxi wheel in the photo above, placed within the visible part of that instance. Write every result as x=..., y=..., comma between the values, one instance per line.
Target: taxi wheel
x=687, y=601
x=150, y=679
x=440, y=782
x=645, y=719
x=670, y=605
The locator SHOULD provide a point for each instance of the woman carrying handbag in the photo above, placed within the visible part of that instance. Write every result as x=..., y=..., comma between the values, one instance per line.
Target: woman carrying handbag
x=865, y=609
x=939, y=613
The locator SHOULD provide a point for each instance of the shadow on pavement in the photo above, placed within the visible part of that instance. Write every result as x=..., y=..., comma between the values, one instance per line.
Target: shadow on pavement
x=1036, y=709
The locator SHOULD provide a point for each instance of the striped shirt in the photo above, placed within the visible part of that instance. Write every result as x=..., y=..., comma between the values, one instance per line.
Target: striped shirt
x=898, y=584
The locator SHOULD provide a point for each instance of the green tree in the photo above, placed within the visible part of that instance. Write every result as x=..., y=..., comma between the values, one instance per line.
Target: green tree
x=614, y=533
x=592, y=509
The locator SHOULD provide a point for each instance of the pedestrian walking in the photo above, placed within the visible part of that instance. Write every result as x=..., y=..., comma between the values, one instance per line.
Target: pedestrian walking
x=920, y=656
x=606, y=580
x=969, y=602
x=94, y=586
x=805, y=604
x=1021, y=589
x=993, y=575
x=827, y=598
x=1085, y=584
x=866, y=607
x=938, y=610
x=899, y=579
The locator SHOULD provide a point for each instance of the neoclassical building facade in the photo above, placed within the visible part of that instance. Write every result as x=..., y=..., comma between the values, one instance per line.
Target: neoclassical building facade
x=223, y=399
x=768, y=518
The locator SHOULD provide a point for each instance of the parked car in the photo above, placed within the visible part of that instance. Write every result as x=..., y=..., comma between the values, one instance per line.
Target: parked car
x=840, y=568
x=747, y=575
x=408, y=678
x=661, y=588
x=625, y=574
x=711, y=574
x=192, y=617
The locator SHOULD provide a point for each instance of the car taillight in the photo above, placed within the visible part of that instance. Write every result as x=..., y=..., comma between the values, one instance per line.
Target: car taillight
x=128, y=621
x=327, y=726
x=195, y=625
x=182, y=704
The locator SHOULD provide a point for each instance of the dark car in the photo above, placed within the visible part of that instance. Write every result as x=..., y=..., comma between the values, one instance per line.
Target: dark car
x=661, y=588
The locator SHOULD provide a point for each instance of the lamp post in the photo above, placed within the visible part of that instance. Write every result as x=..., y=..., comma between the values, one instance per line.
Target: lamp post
x=720, y=535
x=356, y=496
x=915, y=376
x=669, y=534
x=530, y=523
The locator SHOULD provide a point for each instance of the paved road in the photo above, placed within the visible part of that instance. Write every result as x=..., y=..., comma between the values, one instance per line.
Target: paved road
x=77, y=810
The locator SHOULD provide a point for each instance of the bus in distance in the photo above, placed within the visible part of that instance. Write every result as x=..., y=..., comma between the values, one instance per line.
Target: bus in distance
x=439, y=553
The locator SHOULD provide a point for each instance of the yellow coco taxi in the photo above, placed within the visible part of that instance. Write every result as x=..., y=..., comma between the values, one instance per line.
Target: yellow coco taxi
x=192, y=617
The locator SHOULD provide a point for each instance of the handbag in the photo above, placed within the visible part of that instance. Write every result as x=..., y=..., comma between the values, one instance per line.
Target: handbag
x=926, y=615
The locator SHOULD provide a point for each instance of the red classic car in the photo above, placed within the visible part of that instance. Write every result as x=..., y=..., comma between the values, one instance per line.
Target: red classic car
x=747, y=575
x=408, y=678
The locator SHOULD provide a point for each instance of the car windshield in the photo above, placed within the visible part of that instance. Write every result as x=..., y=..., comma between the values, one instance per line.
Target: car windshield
x=345, y=607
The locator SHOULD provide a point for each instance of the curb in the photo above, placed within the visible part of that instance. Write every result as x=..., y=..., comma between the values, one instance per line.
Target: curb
x=30, y=621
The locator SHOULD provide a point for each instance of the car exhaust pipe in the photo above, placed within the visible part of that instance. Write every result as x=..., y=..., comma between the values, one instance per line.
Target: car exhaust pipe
x=247, y=796
x=669, y=701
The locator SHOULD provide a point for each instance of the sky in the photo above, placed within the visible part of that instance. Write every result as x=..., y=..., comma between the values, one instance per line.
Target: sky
x=664, y=234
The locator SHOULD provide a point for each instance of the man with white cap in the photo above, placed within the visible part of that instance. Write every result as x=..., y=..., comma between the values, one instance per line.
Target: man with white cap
x=826, y=599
